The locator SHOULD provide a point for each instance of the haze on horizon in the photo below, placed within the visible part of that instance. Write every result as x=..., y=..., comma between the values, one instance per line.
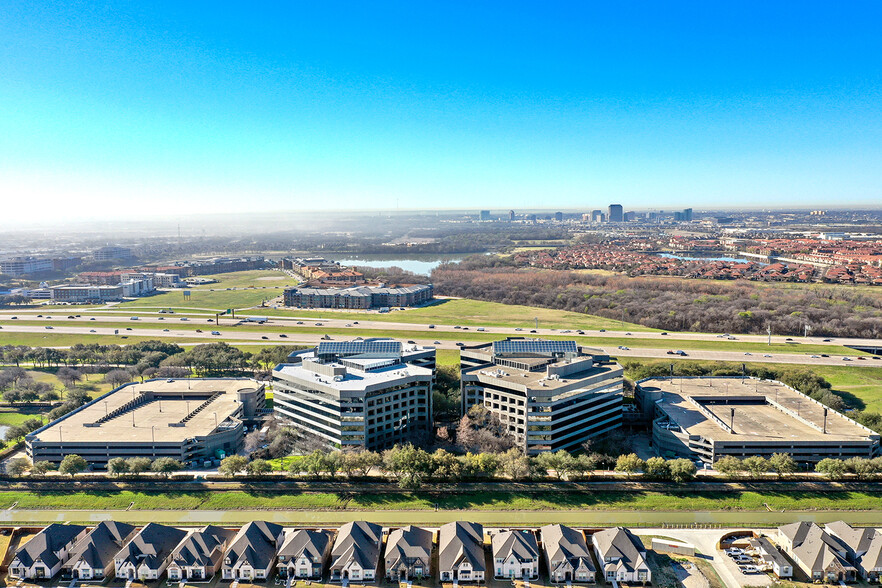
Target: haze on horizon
x=133, y=110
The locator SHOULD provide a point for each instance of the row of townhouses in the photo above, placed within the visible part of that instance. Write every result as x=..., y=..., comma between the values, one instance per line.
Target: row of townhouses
x=358, y=551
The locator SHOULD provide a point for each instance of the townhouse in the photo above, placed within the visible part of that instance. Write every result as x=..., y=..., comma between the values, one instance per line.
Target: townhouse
x=567, y=555
x=200, y=555
x=44, y=554
x=408, y=554
x=515, y=555
x=304, y=554
x=621, y=555
x=461, y=552
x=864, y=547
x=252, y=553
x=91, y=558
x=823, y=557
x=149, y=552
x=356, y=552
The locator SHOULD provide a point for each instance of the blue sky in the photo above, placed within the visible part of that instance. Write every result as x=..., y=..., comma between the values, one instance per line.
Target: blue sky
x=136, y=107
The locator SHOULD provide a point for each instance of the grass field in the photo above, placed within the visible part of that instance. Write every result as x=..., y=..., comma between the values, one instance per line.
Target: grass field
x=492, y=501
x=253, y=288
x=68, y=339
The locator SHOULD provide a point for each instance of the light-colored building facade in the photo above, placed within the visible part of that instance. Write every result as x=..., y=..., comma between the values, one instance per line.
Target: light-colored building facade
x=190, y=420
x=44, y=554
x=304, y=554
x=821, y=556
x=515, y=555
x=355, y=556
x=408, y=554
x=461, y=552
x=370, y=393
x=621, y=556
x=199, y=556
x=551, y=395
x=566, y=555
x=91, y=558
x=252, y=553
x=706, y=418
x=148, y=554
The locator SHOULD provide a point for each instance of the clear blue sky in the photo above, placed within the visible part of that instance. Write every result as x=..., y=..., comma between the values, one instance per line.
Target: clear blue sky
x=113, y=108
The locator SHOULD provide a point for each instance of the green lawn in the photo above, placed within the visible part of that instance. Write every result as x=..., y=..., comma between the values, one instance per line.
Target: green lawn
x=491, y=501
x=50, y=339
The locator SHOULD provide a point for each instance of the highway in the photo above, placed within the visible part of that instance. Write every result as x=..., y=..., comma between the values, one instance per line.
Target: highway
x=61, y=314
x=269, y=337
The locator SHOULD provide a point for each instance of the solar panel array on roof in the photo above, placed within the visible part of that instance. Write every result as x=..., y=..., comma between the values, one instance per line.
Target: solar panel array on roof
x=514, y=346
x=347, y=348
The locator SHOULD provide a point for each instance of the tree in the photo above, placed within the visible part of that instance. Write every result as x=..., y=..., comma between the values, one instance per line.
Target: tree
x=18, y=466
x=166, y=466
x=728, y=465
x=138, y=465
x=117, y=466
x=756, y=465
x=629, y=464
x=861, y=467
x=783, y=464
x=481, y=431
x=232, y=465
x=69, y=376
x=409, y=464
x=515, y=464
x=560, y=462
x=41, y=467
x=834, y=469
x=117, y=378
x=445, y=466
x=72, y=464
x=657, y=468
x=259, y=467
x=681, y=470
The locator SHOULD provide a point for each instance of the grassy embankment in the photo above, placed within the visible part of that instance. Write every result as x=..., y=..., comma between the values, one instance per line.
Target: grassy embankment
x=495, y=501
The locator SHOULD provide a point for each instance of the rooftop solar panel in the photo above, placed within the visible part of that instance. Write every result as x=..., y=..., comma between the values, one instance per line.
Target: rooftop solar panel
x=532, y=346
x=358, y=347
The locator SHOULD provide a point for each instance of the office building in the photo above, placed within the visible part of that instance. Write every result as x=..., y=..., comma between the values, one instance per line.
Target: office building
x=485, y=215
x=370, y=393
x=712, y=417
x=112, y=253
x=551, y=394
x=597, y=216
x=616, y=213
x=190, y=420
x=360, y=297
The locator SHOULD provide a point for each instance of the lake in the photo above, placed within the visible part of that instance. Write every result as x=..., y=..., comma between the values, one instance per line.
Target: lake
x=418, y=264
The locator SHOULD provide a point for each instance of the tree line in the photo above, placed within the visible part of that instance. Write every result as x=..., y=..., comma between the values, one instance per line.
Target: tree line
x=670, y=304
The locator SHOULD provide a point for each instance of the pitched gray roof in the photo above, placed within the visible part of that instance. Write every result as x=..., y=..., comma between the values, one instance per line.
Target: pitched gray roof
x=769, y=552
x=458, y=541
x=98, y=547
x=204, y=547
x=408, y=545
x=359, y=541
x=521, y=544
x=306, y=541
x=622, y=546
x=816, y=548
x=856, y=539
x=873, y=557
x=45, y=544
x=152, y=545
x=562, y=543
x=256, y=544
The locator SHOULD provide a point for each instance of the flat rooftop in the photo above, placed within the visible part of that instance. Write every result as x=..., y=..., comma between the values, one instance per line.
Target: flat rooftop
x=765, y=410
x=168, y=404
x=539, y=380
x=353, y=380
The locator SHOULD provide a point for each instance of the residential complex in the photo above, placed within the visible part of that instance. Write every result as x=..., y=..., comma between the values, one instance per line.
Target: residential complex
x=551, y=394
x=708, y=418
x=370, y=393
x=190, y=420
x=359, y=297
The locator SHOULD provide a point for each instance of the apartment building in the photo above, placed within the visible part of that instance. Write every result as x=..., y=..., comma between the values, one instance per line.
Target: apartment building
x=551, y=394
x=370, y=393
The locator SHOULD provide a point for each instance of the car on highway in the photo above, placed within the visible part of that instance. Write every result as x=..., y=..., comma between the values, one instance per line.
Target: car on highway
x=71, y=316
x=732, y=338
x=789, y=339
x=518, y=329
x=431, y=326
x=861, y=357
x=827, y=340
x=264, y=337
x=458, y=344
x=457, y=327
x=165, y=330
x=532, y=330
x=133, y=318
x=215, y=332
x=436, y=343
x=824, y=355
x=766, y=355
x=318, y=324
x=198, y=330
x=348, y=324
x=183, y=318
x=299, y=322
x=748, y=353
x=14, y=318
x=326, y=338
x=92, y=318
x=91, y=330
x=48, y=326
x=603, y=330
x=465, y=328
x=210, y=321
x=354, y=322
x=566, y=331
x=663, y=333
x=846, y=359
x=816, y=356
x=623, y=348
x=162, y=318
x=40, y=316
x=627, y=333
x=580, y=332
x=283, y=336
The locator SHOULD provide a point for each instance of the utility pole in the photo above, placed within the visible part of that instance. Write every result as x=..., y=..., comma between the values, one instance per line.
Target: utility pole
x=769, y=331
x=536, y=319
x=805, y=331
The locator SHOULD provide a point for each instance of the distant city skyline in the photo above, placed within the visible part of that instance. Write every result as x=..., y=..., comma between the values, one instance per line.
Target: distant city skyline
x=143, y=110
